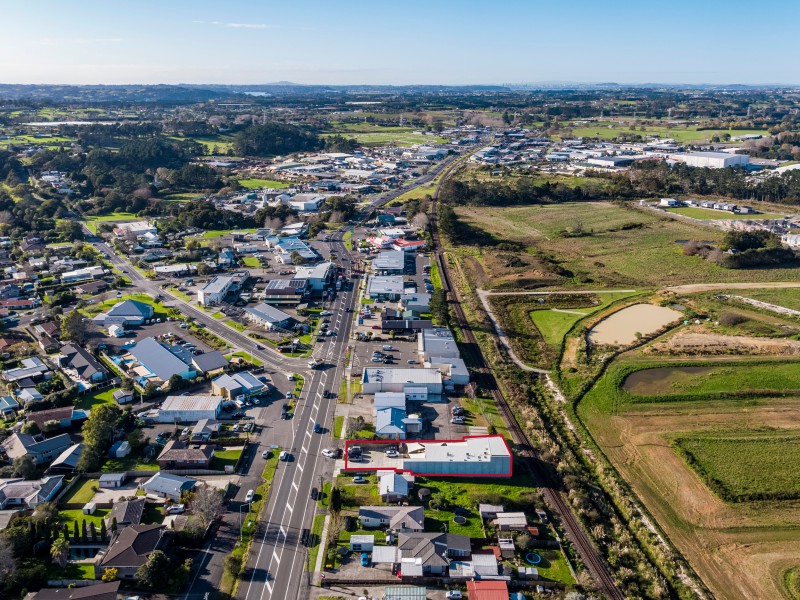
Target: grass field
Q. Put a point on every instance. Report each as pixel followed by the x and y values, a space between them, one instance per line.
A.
pixel 734 465
pixel 91 400
pixel 398 137
pixel 223 458
pixel 787 297
pixel 418 192
pixel 94 220
pixel 252 184
pixel 618 246
pixel 714 215
pixel 610 129
pixel 81 493
pixel 215 233
pixel 251 261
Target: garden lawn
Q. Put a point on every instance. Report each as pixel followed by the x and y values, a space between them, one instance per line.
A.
pixel 553 566
pixel 71 571
pixel 81 493
pixel 68 516
pixel 248 357
pixel 442 520
pixel 252 262
pixel 223 458
pixel 91 400
pixel 129 463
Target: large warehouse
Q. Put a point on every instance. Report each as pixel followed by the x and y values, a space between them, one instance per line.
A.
pixel 189 409
pixel 472 456
pixel 381 379
pixel 713 160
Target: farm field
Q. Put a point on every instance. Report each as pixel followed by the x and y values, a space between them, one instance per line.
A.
pixel 610 129
pixel 617 246
pixel 252 184
pixel 740 450
pixel 92 221
pixel 714 215
pixel 395 136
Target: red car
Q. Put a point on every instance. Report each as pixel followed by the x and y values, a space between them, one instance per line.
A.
pixel 376 327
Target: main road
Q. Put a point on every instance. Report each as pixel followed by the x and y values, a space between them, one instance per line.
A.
pixel 277 557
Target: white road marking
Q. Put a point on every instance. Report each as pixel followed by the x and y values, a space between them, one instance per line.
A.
pixel 283 533
pixel 295 486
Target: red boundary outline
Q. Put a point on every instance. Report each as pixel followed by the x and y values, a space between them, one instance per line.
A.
pixel 348 443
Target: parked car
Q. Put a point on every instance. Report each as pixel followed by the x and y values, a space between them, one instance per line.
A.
pixel 249 496
pixel 284 455
pixel 392 453
pixel 317 428
pixel 314 493
pixel 364 559
pixel 265 454
pixel 304 536
pixel 235 428
pixel 176 509
pixel 329 453
pixel 458 420
pixel 453 595
pixel 359 479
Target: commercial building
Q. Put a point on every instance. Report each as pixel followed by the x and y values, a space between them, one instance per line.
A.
pixel 83 274
pixel 318 278
pixel 471 456
pixel 281 291
pixel 419 302
pixel 215 290
pixel 243 383
pixel 411 382
pixel 189 409
pixel 389 262
pixel 438 341
pixel 268 317
pixel 712 160
pixel 127 312
pixel 385 287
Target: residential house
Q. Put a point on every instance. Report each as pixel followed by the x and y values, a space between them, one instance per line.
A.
pixel 430 553
pixel 21 493
pixel 129 550
pixel 81 365
pixel 404 519
pixel 67 461
pixel 8 406
pixel 126 512
pixel 203 431
pixel 58 417
pixel 394 487
pixel 30 368
pixel 101 591
pixel 179 455
pixel 39 448
pixel 487 590
pixel 165 485
pixel 150 360
pixel 389 424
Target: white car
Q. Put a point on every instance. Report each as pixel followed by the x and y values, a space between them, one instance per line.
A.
pixel 235 428
pixel 265 454
pixel 329 453
pixel 392 453
pixel 458 420
pixel 176 509
pixel 453 595
pixel 249 496
pixel 284 456
pixel 359 479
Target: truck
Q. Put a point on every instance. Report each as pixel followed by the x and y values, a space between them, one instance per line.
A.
pixel 315 363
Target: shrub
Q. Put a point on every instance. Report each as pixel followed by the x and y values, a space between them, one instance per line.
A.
pixel 730 319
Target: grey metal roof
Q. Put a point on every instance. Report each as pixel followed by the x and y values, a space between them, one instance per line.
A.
pixel 270 314
pixel 155 357
pixel 210 361
pixel 166 483
pixel 131 308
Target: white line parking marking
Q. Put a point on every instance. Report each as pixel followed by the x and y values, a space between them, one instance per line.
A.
pixel 283 533
pixel 294 486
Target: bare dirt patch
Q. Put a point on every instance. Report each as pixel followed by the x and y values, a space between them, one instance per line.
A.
pixel 620 328
pixel 695 343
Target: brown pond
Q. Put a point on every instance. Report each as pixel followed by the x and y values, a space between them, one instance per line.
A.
pixel 660 380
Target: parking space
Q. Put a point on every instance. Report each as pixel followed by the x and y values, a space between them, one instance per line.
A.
pixel 157 330
pixel 401 351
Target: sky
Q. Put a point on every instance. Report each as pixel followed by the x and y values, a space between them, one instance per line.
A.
pixel 450 42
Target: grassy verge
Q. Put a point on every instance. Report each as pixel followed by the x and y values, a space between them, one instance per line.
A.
pixel 230 582
pixel 338 425
pixel 315 541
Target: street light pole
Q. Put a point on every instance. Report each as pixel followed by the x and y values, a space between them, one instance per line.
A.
pixel 241 523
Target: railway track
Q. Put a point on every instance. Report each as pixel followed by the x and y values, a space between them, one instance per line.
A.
pixel 545 478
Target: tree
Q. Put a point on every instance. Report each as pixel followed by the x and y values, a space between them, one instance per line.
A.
pixel 114 525
pixel 75 327
pixel 69 230
pixel 59 552
pixel 8 562
pixel 336 499
pixel 24 466
pixel 31 428
pixel 155 572
pixel 93 531
pixel 46 512
pixel 110 575
pixel 233 564
pixel 354 425
pixel 98 431
pixel 420 220
pixel 206 502
pixel 76 534
pixel 136 439
pixel 103 531
pixel 84 532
